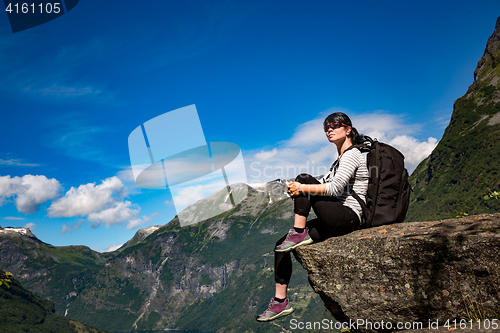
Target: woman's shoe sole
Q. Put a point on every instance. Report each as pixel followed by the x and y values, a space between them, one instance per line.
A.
pixel 278 315
pixel 304 242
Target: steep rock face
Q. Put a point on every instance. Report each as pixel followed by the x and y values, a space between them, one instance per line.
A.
pixel 464 165
pixel 409 272
pixel 490 60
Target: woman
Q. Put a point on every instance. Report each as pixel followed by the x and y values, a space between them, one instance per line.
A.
pixel 338 213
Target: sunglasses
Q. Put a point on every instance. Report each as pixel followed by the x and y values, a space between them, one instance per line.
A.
pixel 334 126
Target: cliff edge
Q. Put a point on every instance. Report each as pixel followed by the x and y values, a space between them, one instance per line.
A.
pixel 409 272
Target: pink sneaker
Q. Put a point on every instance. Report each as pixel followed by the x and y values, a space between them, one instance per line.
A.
pixel 276 310
pixel 293 240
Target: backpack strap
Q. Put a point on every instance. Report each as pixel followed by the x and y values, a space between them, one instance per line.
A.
pixel 362 204
pixel 363 148
pixel 336 163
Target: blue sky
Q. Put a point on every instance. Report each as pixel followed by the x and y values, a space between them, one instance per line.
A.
pixel 262 74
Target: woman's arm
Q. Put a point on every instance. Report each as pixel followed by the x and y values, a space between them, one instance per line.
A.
pixel 346 169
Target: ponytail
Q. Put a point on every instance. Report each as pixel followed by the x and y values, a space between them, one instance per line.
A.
pixel 355 137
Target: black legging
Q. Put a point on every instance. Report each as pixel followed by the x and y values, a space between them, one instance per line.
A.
pixel 334 219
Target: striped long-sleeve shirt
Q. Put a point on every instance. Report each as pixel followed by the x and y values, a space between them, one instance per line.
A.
pixel 350 166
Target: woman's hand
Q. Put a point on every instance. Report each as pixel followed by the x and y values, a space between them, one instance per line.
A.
pixel 294 189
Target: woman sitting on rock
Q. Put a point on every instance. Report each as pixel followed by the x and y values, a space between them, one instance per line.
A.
pixel 338 213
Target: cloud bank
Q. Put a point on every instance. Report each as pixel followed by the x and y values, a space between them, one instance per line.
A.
pixel 102 204
pixel 308 150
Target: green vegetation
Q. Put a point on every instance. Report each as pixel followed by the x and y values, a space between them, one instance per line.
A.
pixel 5 279
pixel 231 253
pixel 205 279
pixel 150 322
pixel 472 310
pixel 462 212
pixel 251 286
pixel 54 271
pixel 491 194
pixel 477 311
pixel 23 311
pixel 244 298
pixel 448 183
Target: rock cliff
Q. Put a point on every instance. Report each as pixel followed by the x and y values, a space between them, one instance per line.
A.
pixel 464 165
pixel 409 272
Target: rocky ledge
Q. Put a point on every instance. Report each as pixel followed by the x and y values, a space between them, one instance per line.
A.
pixel 409 272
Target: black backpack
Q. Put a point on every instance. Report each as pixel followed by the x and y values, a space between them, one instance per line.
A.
pixel 388 194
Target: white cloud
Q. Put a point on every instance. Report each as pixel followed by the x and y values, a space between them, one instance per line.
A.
pixel 102 204
pixel 308 134
pixel 392 130
pixel 13 218
pixel 126 175
pixel 30 191
pixel 189 195
pixel 73 227
pixel 413 150
pixel 112 248
pixel 88 199
pixel 383 125
pixel 265 155
pixel 9 187
pixel 139 222
pixel 30 225
pixel 118 212
pixel 17 162
pixel 308 150
pixel 189 192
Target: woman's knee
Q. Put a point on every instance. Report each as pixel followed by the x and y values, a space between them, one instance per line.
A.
pixel 305 178
pixel 281 280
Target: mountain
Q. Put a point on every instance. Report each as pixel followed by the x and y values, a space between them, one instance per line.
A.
pixel 139 236
pixel 464 166
pixel 22 311
pixel 216 275
pixel 49 271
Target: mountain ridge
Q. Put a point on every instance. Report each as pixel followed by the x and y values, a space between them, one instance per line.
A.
pixel 176 277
